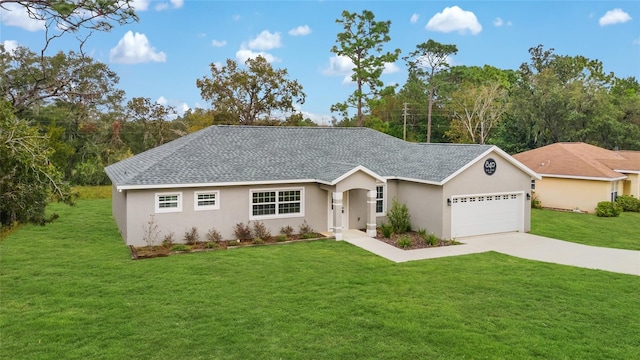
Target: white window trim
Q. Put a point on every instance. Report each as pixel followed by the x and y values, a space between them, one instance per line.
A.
pixel 276 216
pixel 206 207
pixel 168 210
pixel 384 200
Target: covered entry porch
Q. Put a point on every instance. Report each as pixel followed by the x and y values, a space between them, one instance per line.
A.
pixel 351 202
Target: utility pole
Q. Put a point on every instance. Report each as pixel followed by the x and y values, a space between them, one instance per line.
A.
pixel 404 114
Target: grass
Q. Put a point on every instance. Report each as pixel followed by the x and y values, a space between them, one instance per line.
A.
pixel 93 192
pixel 621 232
pixel 69 290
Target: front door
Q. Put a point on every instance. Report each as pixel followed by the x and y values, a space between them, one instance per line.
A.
pixel 345 211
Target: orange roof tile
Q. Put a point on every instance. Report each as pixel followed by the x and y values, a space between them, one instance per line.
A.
pixel 579 160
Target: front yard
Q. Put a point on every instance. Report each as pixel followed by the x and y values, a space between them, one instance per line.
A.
pixel 621 232
pixel 70 290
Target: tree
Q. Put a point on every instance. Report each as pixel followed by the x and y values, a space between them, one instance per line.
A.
pixel 27 178
pixel 71 16
pixel 258 92
pixel 361 39
pixel 151 122
pixel 476 111
pixel 426 61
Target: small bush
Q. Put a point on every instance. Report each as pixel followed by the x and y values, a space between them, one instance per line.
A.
pixel 608 209
pixel 242 232
pixel 168 240
pixel 260 231
pixel 305 228
pixel 386 230
pixel 150 231
pixel 309 235
pixel 536 203
pixel 233 243
pixel 213 236
pixel 282 237
pixel 180 247
pixel 432 240
pixel 191 237
pixel 211 245
pixel 399 218
pixel 628 203
pixel 257 240
pixel 286 230
pixel 405 242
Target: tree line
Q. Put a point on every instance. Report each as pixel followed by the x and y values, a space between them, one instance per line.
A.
pixel 63 117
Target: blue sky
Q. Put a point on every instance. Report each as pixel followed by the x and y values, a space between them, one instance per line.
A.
pixel 172 45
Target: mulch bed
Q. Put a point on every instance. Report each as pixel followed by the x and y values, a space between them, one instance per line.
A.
pixel 148 252
pixel 417 242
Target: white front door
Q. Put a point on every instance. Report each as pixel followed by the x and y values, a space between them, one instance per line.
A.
pixel 486 214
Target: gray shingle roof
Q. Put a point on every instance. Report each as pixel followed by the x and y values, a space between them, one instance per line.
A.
pixel 229 154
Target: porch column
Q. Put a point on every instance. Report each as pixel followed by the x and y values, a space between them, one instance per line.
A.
pixel 337 215
pixel 371 213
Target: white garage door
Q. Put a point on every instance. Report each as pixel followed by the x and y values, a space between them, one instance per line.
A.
pixel 486 214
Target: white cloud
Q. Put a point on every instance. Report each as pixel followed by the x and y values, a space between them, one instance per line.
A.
pixel 498 22
pixel 177 4
pixel 339 65
pixel 245 54
pixel 218 43
pixel 10 45
pixel 414 18
pixel 615 16
pixel 179 106
pixel 301 30
pixel 390 68
pixel 236 17
pixel 454 19
pixel 265 41
pixel 17 15
pixel 134 49
pixel 141 5
pixel 161 6
pixel 162 101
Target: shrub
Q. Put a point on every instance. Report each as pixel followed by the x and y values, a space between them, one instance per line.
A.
pixel 260 231
pixel 282 237
pixel 309 235
pixel 150 231
pixel 191 237
pixel 286 230
pixel 242 232
pixel 180 247
pixel 305 228
pixel 536 203
pixel 386 230
pixel 213 236
pixel 168 240
pixel 211 245
pixel 257 240
pixel 628 203
pixel 399 218
pixel 432 240
pixel 404 242
pixel 608 209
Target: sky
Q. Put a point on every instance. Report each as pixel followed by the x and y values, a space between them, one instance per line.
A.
pixel 161 56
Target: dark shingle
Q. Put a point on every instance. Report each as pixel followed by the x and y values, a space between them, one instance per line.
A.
pixel 227 154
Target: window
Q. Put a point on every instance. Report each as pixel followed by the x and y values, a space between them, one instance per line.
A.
pixel 380 200
pixel 206 200
pixel 168 202
pixel 533 184
pixel 277 203
pixel 614 191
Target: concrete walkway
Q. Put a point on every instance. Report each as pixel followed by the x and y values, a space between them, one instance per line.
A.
pixel 522 245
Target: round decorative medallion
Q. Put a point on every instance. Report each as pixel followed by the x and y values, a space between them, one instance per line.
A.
pixel 490 166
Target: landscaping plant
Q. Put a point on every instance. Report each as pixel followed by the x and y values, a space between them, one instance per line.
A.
pixel 399 217
pixel 608 209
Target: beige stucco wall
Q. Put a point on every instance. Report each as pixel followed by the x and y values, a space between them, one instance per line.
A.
pixel 507 178
pixel 234 208
pixel 119 210
pixel 425 205
pixel 573 194
pixel 631 186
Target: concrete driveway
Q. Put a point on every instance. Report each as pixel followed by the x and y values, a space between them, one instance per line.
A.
pixel 522 245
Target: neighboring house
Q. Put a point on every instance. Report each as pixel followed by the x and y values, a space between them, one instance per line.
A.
pixel 332 178
pixel 576 176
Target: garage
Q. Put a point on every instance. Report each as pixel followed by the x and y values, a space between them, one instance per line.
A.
pixel 486 214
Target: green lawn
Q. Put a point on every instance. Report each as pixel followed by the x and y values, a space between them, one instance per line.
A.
pixel 70 291
pixel 621 232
